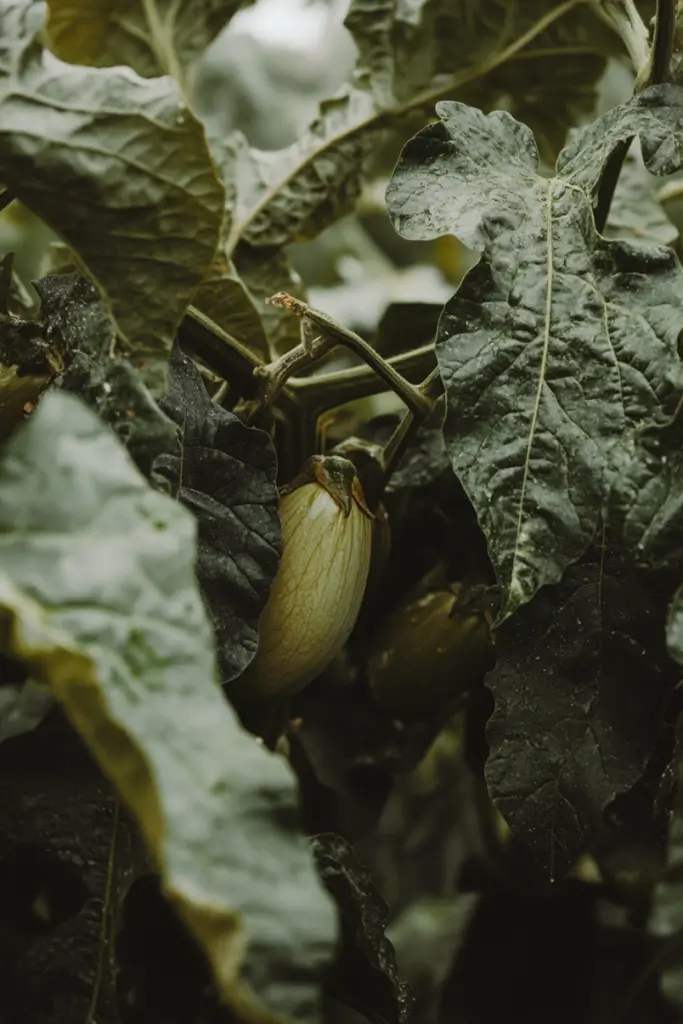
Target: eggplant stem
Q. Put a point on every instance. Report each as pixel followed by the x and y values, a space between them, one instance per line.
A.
pixel 336 334
pixel 394 450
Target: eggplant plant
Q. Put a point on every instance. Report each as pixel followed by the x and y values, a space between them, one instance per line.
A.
pixel 341 534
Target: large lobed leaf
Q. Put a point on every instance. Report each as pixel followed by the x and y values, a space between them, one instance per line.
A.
pixel 365 976
pixel 558 344
pixel 98 599
pixel 117 166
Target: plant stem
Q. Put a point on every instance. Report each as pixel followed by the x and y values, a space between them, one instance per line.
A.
pixel 274 376
pixel 394 449
pixel 654 70
pixel 662 45
pixel 407 392
pixel 624 18
pixel 324 391
pixel 608 183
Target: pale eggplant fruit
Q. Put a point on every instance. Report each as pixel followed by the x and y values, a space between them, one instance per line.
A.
pixel 428 651
pixel 318 590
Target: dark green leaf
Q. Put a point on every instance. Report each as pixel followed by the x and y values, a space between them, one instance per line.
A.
pixel 118 167
pixel 78 324
pixel 407 325
pixel 645 509
pixel 98 599
pixel 555 348
pixel 225 474
pixel 654 115
pixel 635 213
pixel 426 458
pixel 365 976
pixel 580 684
pixel 67 856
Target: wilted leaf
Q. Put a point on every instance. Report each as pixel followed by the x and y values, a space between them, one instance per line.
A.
pixel 78 324
pixel 98 599
pixel 557 345
pixel 159 37
pixel 225 473
pixel 118 167
pixel 580 683
pixel 365 976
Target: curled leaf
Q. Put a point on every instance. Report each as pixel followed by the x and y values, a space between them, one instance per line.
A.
pixel 98 599
pixel 557 347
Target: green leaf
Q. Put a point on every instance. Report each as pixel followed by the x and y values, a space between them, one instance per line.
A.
pixel 225 298
pixel 580 684
pixel 365 975
pixel 157 37
pixel 556 347
pixel 655 115
pixel 68 857
pixel 409 56
pixel 635 213
pixel 225 473
pixel 119 167
pixel 78 323
pixel 98 599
